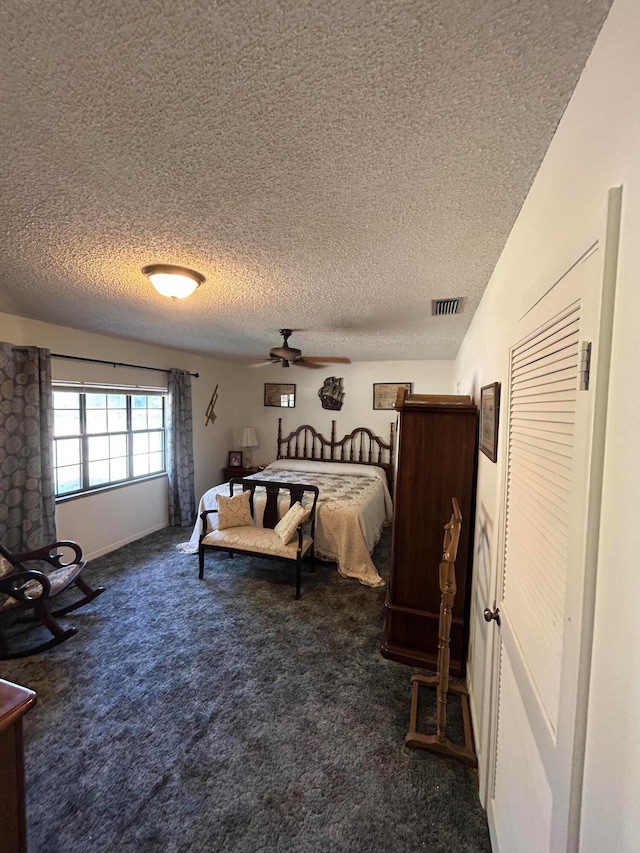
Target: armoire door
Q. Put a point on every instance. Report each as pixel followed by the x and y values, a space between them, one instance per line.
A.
pixel 555 410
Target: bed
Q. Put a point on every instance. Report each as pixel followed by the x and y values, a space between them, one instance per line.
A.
pixel 353 474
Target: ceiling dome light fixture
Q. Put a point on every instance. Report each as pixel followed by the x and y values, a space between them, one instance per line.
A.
pixel 171 281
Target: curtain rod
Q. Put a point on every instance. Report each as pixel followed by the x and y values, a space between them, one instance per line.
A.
pixel 116 363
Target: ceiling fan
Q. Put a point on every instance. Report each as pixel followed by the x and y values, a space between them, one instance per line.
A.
pixel 287 356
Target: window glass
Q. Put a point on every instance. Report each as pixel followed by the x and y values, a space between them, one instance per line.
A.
pixel 66 422
pixel 139 419
pixel 140 443
pixel 96 401
pixel 154 418
pixel 141 465
pixel 66 400
pixel 118 469
pixel 98 472
pixel 102 438
pixel 117 445
pixel 156 462
pixel 98 448
pixel 117 420
pixel 96 420
pixel 67 452
pixel 156 441
pixel 68 479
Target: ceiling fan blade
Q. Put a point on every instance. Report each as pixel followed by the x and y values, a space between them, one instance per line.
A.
pixel 303 362
pixel 265 363
pixel 328 360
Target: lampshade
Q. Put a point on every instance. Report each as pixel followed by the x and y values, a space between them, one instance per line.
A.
pixel 249 437
pixel 171 281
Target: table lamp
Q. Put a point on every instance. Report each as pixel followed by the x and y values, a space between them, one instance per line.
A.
pixel 248 440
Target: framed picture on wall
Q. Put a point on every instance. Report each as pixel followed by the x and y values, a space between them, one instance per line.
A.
pixel 282 396
pixel 385 393
pixel 235 459
pixel 489 414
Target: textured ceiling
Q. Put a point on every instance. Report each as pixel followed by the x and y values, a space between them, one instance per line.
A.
pixel 330 167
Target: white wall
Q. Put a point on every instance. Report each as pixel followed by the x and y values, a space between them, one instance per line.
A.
pixel 105 520
pixel 428 377
pixel 596 146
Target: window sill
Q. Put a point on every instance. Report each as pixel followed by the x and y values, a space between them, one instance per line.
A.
pixel 109 488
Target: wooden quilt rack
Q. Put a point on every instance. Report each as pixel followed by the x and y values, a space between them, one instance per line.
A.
pixel 439 742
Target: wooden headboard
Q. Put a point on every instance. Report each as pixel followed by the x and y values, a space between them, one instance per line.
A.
pixel 360 446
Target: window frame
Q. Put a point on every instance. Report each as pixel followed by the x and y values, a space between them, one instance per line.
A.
pixel 83 436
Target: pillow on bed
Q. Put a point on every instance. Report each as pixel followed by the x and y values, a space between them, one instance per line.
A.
pixel 288 524
pixel 234 512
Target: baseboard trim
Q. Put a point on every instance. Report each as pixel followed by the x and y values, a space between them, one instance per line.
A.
pixel 115 545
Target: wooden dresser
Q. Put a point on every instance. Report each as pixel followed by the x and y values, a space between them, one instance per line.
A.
pixel 436 456
pixel 15 701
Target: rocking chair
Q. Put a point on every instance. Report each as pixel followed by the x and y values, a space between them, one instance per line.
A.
pixel 23 588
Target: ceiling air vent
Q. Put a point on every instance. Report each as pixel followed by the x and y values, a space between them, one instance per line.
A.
pixel 440 307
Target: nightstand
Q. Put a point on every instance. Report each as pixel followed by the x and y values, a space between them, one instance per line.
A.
pixel 236 471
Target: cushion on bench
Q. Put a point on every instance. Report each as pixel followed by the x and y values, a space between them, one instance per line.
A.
pixel 261 539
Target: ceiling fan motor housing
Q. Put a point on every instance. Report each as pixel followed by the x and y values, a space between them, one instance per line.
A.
pixel 291 355
pixel 288 353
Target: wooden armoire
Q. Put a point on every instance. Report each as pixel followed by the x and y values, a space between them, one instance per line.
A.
pixel 436 456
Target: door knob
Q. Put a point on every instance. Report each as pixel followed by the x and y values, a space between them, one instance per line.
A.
pixel 492 615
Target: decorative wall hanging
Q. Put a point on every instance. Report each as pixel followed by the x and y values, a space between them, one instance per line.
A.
pixel 385 393
pixel 282 396
pixel 489 413
pixel 211 415
pixel 331 393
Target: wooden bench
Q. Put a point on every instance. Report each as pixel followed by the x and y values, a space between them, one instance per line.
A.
pixel 262 540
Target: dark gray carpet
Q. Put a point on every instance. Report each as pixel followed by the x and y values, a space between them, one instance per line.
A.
pixel 224 715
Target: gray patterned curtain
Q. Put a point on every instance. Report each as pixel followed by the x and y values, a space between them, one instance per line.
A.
pixel 182 502
pixel 27 502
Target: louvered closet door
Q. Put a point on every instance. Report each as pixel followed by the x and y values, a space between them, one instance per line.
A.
pixel 544 380
pixel 553 454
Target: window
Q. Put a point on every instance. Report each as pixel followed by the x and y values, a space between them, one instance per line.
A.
pixel 106 437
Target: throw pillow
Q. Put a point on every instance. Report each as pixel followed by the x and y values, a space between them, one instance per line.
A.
pixel 234 512
pixel 288 524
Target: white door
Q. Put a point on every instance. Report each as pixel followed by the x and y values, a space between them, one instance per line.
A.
pixel 555 409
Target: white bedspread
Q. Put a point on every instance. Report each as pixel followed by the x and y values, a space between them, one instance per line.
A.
pixel 353 506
